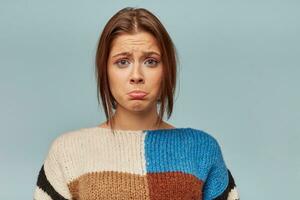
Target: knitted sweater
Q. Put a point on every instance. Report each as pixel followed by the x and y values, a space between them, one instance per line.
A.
pixel 164 164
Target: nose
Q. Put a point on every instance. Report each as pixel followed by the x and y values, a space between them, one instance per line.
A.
pixel 136 76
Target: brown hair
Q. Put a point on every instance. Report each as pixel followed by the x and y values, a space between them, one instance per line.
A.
pixel 132 20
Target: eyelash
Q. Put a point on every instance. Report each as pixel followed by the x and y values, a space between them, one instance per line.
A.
pixel 151 59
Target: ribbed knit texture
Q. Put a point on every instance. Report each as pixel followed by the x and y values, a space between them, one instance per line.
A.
pixel 165 164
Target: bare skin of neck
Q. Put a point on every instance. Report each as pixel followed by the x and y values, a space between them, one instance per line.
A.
pixel 164 125
pixel 128 121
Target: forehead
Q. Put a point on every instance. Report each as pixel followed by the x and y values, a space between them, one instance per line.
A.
pixel 134 42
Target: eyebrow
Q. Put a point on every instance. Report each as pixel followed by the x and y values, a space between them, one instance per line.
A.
pixel 145 53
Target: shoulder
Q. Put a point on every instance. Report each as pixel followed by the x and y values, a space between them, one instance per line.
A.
pixel 204 136
pixel 67 139
pixel 206 141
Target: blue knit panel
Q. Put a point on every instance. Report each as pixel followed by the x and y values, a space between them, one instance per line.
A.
pixel 181 149
pixel 218 179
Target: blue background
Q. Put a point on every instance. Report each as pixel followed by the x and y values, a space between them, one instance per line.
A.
pixel 238 80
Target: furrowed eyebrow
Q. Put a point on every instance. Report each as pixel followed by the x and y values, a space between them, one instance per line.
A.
pixel 145 53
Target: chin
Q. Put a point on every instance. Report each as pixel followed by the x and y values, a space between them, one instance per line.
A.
pixel 138 105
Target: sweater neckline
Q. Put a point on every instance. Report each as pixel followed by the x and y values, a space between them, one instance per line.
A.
pixel 142 130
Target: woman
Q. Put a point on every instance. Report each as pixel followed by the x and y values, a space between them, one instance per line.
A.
pixel 135 154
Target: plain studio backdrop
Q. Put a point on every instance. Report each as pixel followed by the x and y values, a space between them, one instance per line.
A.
pixel 238 80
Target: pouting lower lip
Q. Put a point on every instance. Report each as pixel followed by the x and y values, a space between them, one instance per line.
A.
pixel 137 95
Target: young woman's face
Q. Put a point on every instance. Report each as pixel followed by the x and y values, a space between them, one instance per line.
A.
pixel 134 63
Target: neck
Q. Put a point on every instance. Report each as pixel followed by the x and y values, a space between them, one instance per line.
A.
pixel 139 120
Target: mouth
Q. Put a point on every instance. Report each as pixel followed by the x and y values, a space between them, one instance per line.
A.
pixel 137 95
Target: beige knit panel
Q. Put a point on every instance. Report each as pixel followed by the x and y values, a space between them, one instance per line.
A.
pixel 109 185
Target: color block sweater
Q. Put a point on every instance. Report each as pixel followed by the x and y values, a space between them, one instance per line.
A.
pixel 164 164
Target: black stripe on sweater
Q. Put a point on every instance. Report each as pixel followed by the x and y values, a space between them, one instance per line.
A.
pixel 230 186
pixel 46 186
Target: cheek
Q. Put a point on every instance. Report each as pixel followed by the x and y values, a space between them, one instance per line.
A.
pixel 116 77
pixel 117 81
pixel 155 80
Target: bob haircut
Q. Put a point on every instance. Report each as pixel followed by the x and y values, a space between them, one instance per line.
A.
pixel 131 20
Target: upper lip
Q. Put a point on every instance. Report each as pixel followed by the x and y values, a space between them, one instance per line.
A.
pixel 137 91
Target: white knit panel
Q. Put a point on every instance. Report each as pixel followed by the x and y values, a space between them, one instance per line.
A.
pixel 233 194
pixel 39 194
pixel 54 171
pixel 96 149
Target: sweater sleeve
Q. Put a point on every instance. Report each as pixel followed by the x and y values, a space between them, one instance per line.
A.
pixel 51 183
pixel 220 184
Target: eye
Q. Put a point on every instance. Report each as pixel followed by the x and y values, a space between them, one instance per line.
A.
pixel 152 62
pixel 122 62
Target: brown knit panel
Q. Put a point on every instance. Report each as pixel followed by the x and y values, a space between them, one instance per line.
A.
pixel 73 187
pixel 174 185
pixel 109 185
